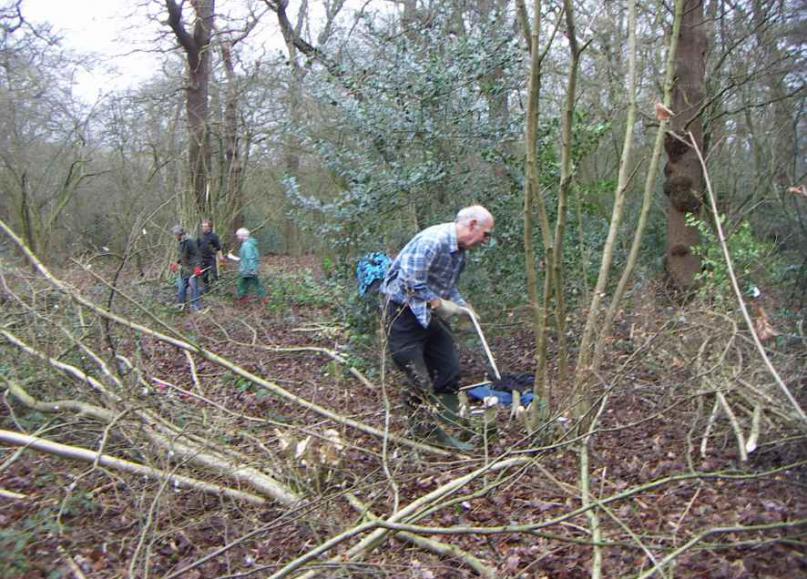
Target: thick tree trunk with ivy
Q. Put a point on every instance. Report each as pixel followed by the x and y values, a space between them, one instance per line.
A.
pixel 197 52
pixel 683 183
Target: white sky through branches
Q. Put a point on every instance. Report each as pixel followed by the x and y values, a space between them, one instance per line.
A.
pixel 130 37
pixel 113 30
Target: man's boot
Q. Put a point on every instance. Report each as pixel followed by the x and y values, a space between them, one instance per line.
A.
pixel 449 411
pixel 423 426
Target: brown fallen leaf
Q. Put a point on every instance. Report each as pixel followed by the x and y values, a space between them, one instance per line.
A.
pixel 663 113
pixel 801 191
pixel 762 325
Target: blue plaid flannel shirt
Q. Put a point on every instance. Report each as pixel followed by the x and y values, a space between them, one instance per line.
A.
pixel 427 268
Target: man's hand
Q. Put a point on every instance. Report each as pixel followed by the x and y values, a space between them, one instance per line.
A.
pixel 174 267
pixel 447 309
pixel 197 271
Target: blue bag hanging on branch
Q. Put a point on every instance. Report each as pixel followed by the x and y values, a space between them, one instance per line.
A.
pixel 370 272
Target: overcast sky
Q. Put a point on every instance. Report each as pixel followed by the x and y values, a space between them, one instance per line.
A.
pixel 100 26
pixel 121 33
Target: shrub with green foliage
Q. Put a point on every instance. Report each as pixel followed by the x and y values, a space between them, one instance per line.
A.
pixel 755 261
pixel 407 138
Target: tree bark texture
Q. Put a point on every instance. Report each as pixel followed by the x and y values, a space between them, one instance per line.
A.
pixel 197 52
pixel 683 184
pixel 232 158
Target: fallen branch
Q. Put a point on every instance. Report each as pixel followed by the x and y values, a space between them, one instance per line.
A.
pixel 436 547
pixel 86 455
pixel 715 531
pixel 380 526
pixel 12 495
pixel 224 466
pixel 215 358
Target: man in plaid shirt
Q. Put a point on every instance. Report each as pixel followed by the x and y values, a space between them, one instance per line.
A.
pixel 421 296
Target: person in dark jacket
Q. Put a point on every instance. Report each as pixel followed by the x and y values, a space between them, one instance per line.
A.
pixel 209 252
pixel 189 268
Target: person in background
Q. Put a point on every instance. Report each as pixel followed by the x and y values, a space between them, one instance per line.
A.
pixel 189 268
pixel 209 253
pixel 421 295
pixel 249 263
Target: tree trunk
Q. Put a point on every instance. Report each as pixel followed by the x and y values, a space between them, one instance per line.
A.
pixel 197 52
pixel 684 183
pixel 232 160
pixel 532 199
pixel 565 186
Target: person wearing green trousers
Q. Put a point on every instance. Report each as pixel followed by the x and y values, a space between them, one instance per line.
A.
pixel 249 263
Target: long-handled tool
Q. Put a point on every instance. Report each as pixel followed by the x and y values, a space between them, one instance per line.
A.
pixel 484 342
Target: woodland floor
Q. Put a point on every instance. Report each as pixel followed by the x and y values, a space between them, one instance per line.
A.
pixel 651 428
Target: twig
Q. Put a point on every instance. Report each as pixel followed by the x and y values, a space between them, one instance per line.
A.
pixel 145 531
pixel 738 294
pixel 211 402
pixel 433 546
pixel 330 353
pixel 105 435
pixel 719 530
pixel 686 511
pixel 738 433
pixel 709 425
pixel 753 436
pixel 194 375
pixel 74 568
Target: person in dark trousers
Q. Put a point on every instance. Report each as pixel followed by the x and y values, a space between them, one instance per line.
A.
pixel 421 295
pixel 249 263
pixel 189 267
pixel 209 253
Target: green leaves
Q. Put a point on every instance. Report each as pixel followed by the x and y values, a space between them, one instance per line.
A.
pixel 754 260
pixel 411 132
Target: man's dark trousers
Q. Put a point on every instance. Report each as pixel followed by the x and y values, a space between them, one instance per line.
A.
pixel 428 356
pixel 209 275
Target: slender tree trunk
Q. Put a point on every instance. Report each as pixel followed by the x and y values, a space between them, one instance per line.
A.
pixel 565 186
pixel 783 152
pixel 532 199
pixel 583 371
pixel 291 155
pixel 649 189
pixel 683 175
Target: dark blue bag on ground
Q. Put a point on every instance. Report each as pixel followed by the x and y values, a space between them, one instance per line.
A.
pixel 503 389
